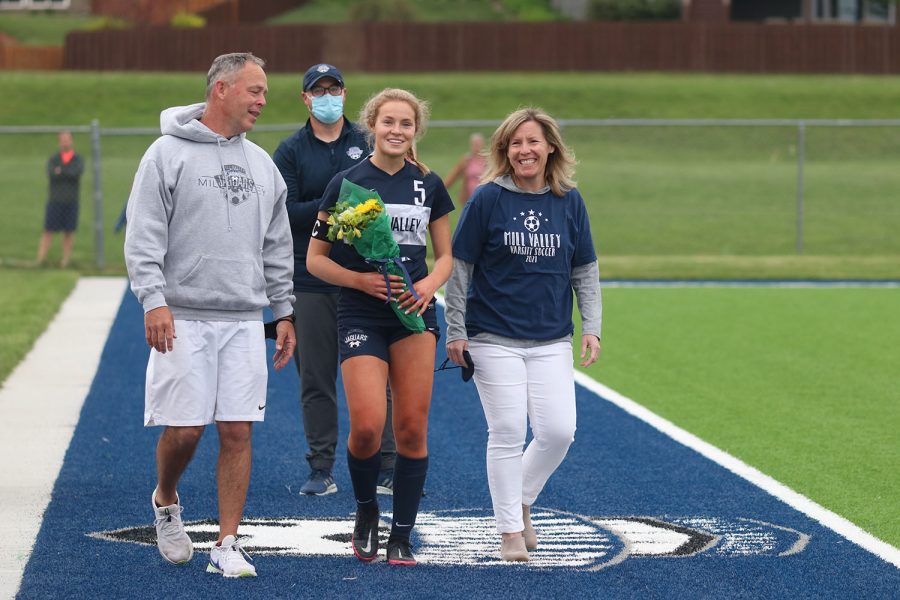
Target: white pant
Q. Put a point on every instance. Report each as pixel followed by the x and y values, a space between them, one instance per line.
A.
pixel 215 372
pixel 517 385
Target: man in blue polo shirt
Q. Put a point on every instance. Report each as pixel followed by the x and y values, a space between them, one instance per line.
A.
pixel 328 144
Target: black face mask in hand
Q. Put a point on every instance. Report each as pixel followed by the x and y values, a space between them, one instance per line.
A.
pixel 270 330
pixel 466 372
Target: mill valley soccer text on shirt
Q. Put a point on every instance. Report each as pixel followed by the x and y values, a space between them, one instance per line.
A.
pixel 532 245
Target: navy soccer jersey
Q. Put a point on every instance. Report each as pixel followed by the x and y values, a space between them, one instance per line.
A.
pixel 524 247
pixel 412 202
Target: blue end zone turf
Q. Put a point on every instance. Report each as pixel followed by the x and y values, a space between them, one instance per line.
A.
pixel 630 513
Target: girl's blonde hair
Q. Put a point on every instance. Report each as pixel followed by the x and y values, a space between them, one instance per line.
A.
pixel 369 114
pixel 560 167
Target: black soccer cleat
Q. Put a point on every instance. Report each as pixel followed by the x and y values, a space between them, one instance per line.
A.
pixel 399 552
pixel 365 535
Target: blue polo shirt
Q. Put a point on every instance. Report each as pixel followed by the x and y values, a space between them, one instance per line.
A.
pixel 412 201
pixel 307 165
pixel 524 247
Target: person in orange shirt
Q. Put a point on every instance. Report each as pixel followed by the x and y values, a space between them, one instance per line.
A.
pixel 64 171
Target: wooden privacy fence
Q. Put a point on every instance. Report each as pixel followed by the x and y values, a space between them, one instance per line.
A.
pixel 411 47
pixel 20 57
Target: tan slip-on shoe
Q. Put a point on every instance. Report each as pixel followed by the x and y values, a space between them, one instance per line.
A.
pixel 512 549
pixel 529 534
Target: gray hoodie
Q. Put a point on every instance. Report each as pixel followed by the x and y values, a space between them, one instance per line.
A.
pixel 208 233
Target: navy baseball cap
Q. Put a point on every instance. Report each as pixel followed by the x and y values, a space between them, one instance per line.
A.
pixel 317 72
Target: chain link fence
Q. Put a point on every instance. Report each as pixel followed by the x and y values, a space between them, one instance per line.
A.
pixel 653 187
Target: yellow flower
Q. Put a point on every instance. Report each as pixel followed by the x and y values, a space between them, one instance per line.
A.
pixel 348 222
pixel 368 206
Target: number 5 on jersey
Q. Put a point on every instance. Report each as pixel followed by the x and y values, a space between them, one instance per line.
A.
pixel 419 189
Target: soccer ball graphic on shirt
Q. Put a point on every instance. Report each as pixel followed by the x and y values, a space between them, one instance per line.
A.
pixel 532 223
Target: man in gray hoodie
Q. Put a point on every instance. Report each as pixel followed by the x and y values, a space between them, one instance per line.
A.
pixel 208 246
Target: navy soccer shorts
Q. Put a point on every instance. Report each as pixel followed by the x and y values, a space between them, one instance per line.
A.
pixel 373 336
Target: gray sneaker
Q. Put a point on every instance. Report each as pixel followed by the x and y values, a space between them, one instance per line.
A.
pixel 320 483
pixel 173 542
pixel 385 482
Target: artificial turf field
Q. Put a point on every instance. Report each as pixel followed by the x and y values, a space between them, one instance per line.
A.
pixel 631 513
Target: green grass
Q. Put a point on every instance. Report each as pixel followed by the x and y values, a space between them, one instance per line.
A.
pixel 748 267
pixel 43 28
pixel 800 383
pixel 703 213
pixel 30 300
pixel 135 99
pixel 338 11
pixel 664 201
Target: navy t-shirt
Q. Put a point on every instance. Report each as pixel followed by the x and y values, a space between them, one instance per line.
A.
pixel 524 247
pixel 412 201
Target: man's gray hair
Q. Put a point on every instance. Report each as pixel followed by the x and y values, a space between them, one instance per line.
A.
pixel 225 66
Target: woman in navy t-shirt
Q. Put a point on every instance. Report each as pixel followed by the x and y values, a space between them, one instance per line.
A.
pixel 522 244
pixel 375 347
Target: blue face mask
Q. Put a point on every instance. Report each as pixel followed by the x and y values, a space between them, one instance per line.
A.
pixel 327 108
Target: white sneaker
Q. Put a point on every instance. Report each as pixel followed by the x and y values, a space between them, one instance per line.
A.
pixel 174 544
pixel 230 559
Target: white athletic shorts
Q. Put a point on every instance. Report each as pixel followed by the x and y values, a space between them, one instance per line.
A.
pixel 215 372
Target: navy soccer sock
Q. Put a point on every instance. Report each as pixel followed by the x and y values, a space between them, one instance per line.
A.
pixel 364 475
pixel 409 480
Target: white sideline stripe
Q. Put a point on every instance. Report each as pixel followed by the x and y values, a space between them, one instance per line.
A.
pixel 793 499
pixel 40 404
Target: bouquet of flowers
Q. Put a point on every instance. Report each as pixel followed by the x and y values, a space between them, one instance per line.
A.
pixel 359 219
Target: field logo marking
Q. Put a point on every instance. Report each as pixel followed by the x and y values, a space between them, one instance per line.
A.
pixel 468 537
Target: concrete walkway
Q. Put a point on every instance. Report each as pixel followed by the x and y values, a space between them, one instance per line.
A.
pixel 40 404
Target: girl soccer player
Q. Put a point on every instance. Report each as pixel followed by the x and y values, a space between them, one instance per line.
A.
pixel 375 347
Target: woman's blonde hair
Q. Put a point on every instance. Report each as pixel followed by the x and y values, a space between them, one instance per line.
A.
pixel 369 114
pixel 560 167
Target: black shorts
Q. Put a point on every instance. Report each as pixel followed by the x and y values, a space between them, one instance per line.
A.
pixel 373 336
pixel 61 216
